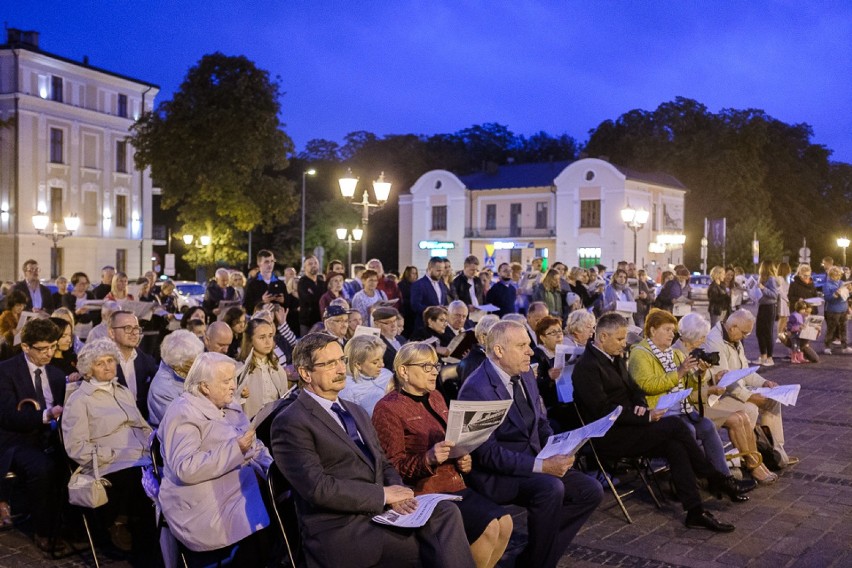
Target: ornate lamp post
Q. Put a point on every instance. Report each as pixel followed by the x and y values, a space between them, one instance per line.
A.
pixel 40 222
pixel 349 238
pixel 305 173
pixel 843 243
pixel 381 188
pixel 635 219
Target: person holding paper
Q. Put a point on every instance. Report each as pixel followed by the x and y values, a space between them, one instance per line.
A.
pixel 802 287
pixel 16 301
pixel 558 499
pixel 218 290
pixel 836 307
pixel 726 338
pixel 435 318
pixel 76 298
pixel 659 369
pixel 693 333
pixel 549 332
pixel 617 291
pixel 330 454
pixel 411 422
pixel 262 378
pixel 675 291
pixel 601 383
pixel 549 291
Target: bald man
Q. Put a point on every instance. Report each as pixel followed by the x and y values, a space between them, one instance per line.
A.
pixel 219 337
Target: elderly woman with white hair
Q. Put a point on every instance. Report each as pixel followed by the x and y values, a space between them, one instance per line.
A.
pixel 178 350
pixel 476 355
pixel 209 492
pixel 579 328
pixel 101 422
pixel 367 380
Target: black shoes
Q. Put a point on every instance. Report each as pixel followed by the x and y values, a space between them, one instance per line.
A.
pixel 705 520
pixel 730 487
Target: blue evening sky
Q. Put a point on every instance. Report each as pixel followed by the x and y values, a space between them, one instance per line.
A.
pixel 437 66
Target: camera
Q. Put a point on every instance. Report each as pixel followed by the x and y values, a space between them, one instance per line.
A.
pixel 711 358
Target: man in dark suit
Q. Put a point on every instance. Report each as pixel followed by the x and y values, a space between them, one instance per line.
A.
pixel 330 454
pixel 105 286
pixel 39 296
pixel 467 285
pixel 429 291
pixel 503 294
pixel 385 318
pixel 558 499
pixel 136 368
pixel 32 393
pixel 601 383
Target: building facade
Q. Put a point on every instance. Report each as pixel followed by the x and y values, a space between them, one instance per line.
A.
pixel 64 152
pixel 565 211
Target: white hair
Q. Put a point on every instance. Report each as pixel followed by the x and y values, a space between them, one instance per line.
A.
pixel 693 327
pixel 179 347
pixel 222 272
pixel 203 369
pixel 517 318
pixel 740 316
pixel 578 319
pixel 456 305
pixel 93 351
pixel 498 332
pixel 483 326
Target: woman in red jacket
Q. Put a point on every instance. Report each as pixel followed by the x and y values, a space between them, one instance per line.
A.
pixel 411 422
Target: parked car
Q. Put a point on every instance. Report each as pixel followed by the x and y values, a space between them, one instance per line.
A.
pixel 698 285
pixel 189 294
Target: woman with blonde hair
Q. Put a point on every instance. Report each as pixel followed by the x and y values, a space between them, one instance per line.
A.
pixel 718 295
pixel 118 291
pixel 767 307
pixel 367 380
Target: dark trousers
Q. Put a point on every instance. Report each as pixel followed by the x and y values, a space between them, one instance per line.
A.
pixel 44 480
pixel 765 328
pixel 250 551
pixel 668 438
pixel 127 498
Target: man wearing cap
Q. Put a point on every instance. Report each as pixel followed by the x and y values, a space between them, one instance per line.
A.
pixel 336 322
pixel 384 318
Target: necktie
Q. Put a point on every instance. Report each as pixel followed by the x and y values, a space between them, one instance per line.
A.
pixel 522 402
pixel 39 389
pixel 352 430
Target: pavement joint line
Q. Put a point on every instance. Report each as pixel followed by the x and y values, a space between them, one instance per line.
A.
pixel 818 421
pixel 820 478
pixel 580 552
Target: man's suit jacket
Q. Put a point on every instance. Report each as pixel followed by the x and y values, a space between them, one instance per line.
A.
pixel 24 427
pixel 462 289
pixel 46 296
pixel 390 351
pixel 509 453
pixel 338 489
pixel 503 296
pixel 146 367
pixel 600 385
pixel 423 295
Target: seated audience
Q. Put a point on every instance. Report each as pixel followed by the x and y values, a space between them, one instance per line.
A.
pixel 367 380
pixel 476 355
pixel 209 491
pixel 64 358
pixel 364 300
pixel 101 330
pixel 435 318
pixel 411 423
pixel 219 337
pixel 355 320
pixel 579 328
pixel 178 350
pixel 262 379
pixel 386 319
pixel 101 422
pixel 135 367
pixel 118 291
pixel 549 331
pixel 336 321
pixel 16 301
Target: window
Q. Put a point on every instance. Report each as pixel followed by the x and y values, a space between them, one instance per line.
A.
pixel 121 260
pixel 56 146
pixel 121 156
pixel 120 210
pixel 90 208
pixel 490 217
pixel 439 218
pixel 541 215
pixel 56 205
pixel 56 89
pixel 122 106
pixel 590 214
pixel 654 217
pixel 515 220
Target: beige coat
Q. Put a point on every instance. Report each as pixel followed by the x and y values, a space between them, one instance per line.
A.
pixel 265 384
pixel 109 421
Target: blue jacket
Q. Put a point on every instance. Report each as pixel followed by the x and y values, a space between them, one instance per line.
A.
pixel 834 304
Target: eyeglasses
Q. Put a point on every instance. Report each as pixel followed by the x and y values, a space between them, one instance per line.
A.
pixel 330 364
pixel 427 367
pixel 45 348
pixel 129 329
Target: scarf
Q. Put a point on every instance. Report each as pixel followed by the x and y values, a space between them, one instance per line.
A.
pixel 666 359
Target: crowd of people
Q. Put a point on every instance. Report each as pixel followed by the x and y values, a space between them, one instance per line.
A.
pixel 343 385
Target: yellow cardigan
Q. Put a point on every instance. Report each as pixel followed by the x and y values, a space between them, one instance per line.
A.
pixel 649 374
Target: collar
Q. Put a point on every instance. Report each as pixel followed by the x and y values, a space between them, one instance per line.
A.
pixel 422 398
pixel 130 359
pixel 324 402
pixel 725 335
pixel 607 355
pixel 505 378
pixel 32 367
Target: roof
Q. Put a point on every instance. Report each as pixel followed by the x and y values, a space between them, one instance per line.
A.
pixel 542 175
pixel 28 47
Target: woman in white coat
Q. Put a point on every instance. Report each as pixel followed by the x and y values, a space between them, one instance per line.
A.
pixel 209 492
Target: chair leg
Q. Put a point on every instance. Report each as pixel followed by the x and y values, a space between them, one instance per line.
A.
pixel 642 468
pixel 91 542
pixel 612 488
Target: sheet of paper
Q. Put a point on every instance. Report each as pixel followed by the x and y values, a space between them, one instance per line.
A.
pixel 426 504
pixel 625 307
pixel 681 309
pixel 366 330
pixel 815 301
pixel 735 375
pixel 567 443
pixel 470 423
pixel 787 395
pixel 565 385
pixel 671 399
pixel 488 308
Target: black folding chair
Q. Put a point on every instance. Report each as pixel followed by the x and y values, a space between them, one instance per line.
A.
pixel 283 507
pixel 72 465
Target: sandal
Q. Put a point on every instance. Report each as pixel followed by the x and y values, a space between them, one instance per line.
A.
pixel 758 471
pixel 6 521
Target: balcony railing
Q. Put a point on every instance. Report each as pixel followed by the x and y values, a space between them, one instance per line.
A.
pixel 509 232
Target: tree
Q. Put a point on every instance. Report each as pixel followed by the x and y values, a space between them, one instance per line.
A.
pixel 218 151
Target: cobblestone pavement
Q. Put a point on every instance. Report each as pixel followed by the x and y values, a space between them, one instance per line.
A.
pixel 804 520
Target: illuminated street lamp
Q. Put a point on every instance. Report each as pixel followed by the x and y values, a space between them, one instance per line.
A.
pixel 40 222
pixel 381 188
pixel 350 237
pixel 305 173
pixel 635 219
pixel 669 242
pixel 202 241
pixel 843 242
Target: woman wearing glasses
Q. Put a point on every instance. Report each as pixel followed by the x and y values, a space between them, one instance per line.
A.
pixel 550 334
pixel 411 422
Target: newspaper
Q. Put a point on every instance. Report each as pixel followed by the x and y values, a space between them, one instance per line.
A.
pixel 671 399
pixel 142 310
pixel 681 309
pixel 785 394
pixel 426 503
pixel 735 375
pixel 812 328
pixel 470 423
pixel 814 301
pixel 225 305
pixel 567 443
pixel 627 309
pixel 367 330
pixel 22 321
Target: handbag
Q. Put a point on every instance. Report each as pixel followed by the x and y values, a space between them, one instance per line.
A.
pixel 86 490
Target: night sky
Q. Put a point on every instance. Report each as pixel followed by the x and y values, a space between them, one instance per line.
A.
pixel 427 67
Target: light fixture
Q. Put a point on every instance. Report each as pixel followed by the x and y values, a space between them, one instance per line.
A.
pixel 40 221
pixel 206 240
pixel 341 234
pixel 382 188
pixel 635 219
pixel 348 183
pixel 187 239
pixel 357 233
pixel 349 238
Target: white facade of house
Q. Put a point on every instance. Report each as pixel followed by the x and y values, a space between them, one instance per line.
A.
pixel 64 153
pixel 575 217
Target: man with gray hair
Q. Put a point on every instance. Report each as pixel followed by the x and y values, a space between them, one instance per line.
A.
pixel 457 320
pixel 558 499
pixel 179 351
pixel 726 338
pixel 218 290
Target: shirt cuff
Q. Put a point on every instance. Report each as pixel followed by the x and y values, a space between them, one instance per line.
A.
pixel 45 417
pixel 538 465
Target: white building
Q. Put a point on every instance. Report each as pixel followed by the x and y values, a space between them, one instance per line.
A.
pixel 565 211
pixel 64 153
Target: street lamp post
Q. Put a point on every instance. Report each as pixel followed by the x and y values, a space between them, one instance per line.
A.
pixel 635 219
pixel 304 174
pixel 843 243
pixel 381 188
pixel 349 238
pixel 40 223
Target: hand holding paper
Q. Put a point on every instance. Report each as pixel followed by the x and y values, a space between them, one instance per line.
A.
pixel 787 395
pixel 736 374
